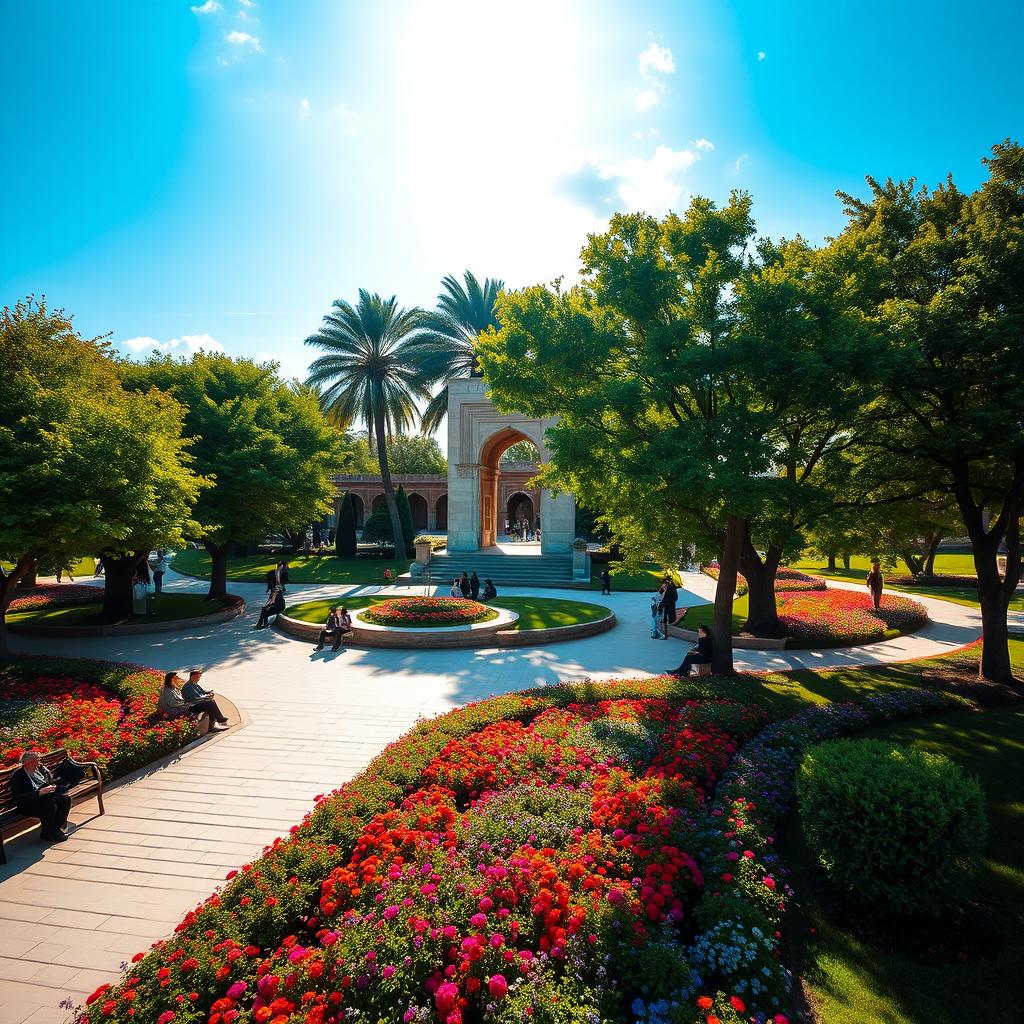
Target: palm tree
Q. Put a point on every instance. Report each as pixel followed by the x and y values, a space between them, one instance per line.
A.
pixel 445 349
pixel 368 375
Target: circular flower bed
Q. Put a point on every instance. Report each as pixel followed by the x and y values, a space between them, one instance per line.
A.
pixel 56 594
pixel 839 617
pixel 98 711
pixel 785 580
pixel 427 611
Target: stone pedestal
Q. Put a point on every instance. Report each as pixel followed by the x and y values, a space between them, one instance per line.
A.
pixel 580 560
pixel 422 552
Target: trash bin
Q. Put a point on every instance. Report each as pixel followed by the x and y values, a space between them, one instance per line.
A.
pixel 140 598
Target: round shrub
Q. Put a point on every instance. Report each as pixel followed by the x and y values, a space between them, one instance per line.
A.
pixel 891 825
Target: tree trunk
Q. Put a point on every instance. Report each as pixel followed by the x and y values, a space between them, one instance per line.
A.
pixel 118 574
pixel 933 550
pixel 8 592
pixel 218 568
pixel 831 563
pixel 728 565
pixel 389 487
pixel 915 563
pixel 846 562
pixel 762 611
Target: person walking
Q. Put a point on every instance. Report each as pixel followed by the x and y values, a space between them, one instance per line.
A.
pixel 656 614
pixel 875 583
pixel 669 597
pixel 474 585
pixel 158 572
pixel 700 654
pixel 606 581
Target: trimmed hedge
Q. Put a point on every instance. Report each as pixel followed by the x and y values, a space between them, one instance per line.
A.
pixel 894 827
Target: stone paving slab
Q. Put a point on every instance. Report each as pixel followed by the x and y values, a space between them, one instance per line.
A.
pixel 70 914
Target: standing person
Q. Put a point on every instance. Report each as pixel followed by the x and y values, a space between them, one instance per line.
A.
pixel 35 792
pixel 158 572
pixel 699 655
pixel 282 577
pixel 474 585
pixel 875 583
pixel 606 581
pixel 656 613
pixel 668 605
pixel 456 590
pixel 464 586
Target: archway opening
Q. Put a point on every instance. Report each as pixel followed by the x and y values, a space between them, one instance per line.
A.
pixel 441 512
pixel 520 515
pixel 490 475
pixel 418 507
pixel 358 511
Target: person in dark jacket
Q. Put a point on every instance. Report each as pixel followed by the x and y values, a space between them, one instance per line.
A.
pixel 464 585
pixel 474 585
pixel 489 591
pixel 282 574
pixel 699 655
pixel 37 793
pixel 274 606
pixel 875 583
pixel 669 596
pixel 606 581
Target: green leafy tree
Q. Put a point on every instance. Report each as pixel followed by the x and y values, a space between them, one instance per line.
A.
pixel 83 465
pixel 407 454
pixel 264 443
pixel 345 534
pixel 951 299
pixel 378 529
pixel 521 451
pixel 446 348
pixel 369 373
pixel 405 515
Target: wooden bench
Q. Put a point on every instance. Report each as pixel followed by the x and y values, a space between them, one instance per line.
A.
pixel 9 814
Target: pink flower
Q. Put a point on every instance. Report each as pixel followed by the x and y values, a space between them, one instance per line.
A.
pixel 446 997
pixel 236 990
pixel 498 986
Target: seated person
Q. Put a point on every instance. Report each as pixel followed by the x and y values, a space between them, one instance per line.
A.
pixel 274 606
pixel 699 655
pixel 488 593
pixel 174 704
pixel 339 622
pixel 36 793
pixel 193 690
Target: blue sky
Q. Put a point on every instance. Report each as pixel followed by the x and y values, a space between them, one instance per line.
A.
pixel 216 173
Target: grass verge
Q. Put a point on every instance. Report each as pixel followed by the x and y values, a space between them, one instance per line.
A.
pixel 165 608
pixel 301 569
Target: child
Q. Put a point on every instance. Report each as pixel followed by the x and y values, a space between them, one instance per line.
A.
pixel 655 616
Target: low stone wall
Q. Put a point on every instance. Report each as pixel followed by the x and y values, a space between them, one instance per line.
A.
pixel 427 639
pixel 741 643
pixel 232 611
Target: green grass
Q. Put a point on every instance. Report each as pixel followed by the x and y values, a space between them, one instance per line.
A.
pixel 80 567
pixel 647 578
pixel 534 612
pixel 850 982
pixel 301 569
pixel 164 608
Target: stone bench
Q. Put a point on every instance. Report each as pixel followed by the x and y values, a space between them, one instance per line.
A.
pixel 9 813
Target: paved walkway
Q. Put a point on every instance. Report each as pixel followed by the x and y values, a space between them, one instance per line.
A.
pixel 70 914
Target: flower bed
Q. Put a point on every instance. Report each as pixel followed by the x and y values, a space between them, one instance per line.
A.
pixel 56 594
pixel 427 611
pixel 839 617
pixel 785 580
pixel 98 711
pixel 529 856
pixel 739 950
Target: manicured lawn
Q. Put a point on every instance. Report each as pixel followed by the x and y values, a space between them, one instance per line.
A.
pixel 948 564
pixel 850 981
pixel 165 608
pixel 326 569
pixel 84 567
pixel 648 578
pixel 534 612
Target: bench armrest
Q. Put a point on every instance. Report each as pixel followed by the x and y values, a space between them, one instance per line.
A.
pixel 94 765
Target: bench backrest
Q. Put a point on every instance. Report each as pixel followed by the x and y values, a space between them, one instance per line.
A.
pixel 51 759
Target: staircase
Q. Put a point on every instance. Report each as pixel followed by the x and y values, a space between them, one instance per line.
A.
pixel 504 570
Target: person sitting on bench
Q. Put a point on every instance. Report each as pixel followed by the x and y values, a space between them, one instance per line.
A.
pixel 489 592
pixel 699 655
pixel 339 622
pixel 174 704
pixel 273 606
pixel 37 793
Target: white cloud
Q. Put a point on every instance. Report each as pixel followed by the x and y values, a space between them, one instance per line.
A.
pixel 248 3
pixel 304 108
pixel 186 343
pixel 651 185
pixel 250 19
pixel 210 7
pixel 348 117
pixel 656 58
pixel 706 144
pixel 741 161
pixel 647 99
pixel 236 38
pixel 761 55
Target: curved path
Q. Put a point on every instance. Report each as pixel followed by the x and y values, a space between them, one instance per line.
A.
pixel 71 914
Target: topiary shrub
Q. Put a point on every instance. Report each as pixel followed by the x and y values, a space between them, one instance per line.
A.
pixel 345 536
pixel 893 826
pixel 377 529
